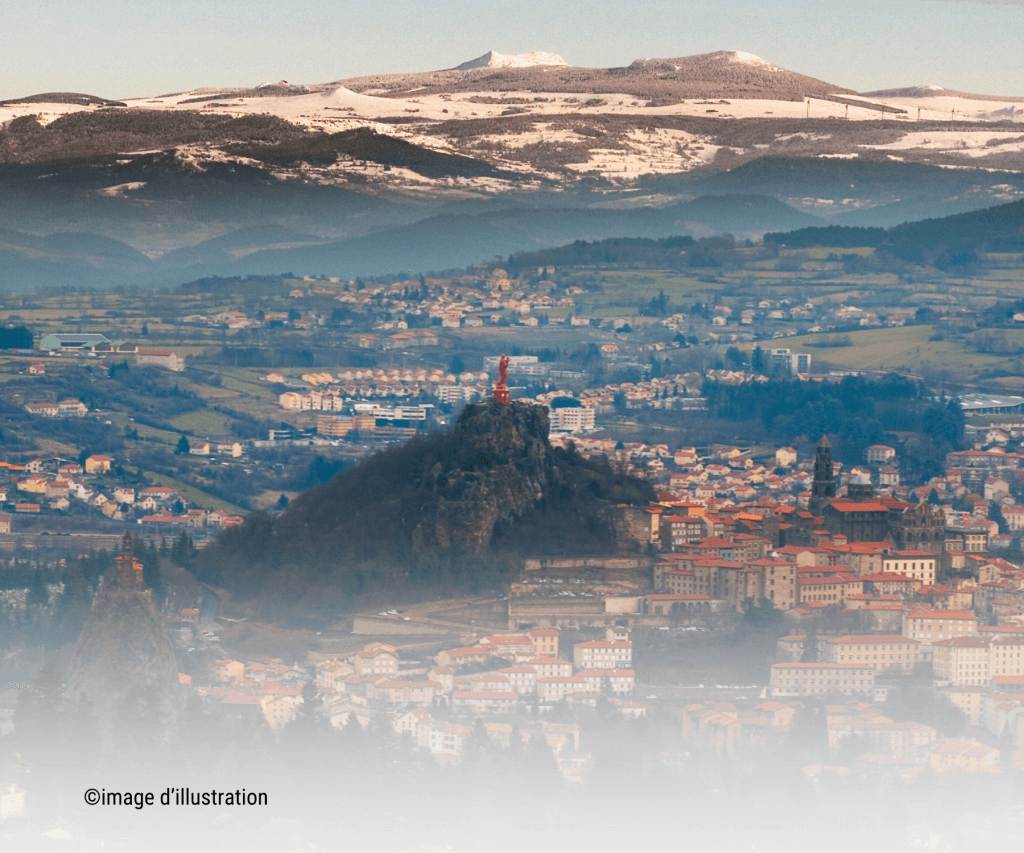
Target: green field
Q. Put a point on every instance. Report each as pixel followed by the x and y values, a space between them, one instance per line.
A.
pixel 192 494
pixel 823 252
pixel 156 434
pixel 906 350
pixel 246 382
pixel 621 287
pixel 202 422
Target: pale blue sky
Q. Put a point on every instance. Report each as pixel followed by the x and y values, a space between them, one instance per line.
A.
pixel 116 48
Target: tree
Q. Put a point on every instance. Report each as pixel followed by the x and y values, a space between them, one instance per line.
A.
pixel 183 446
pixel 456 365
pixel 145 330
pixel 38 594
pixel 183 552
pixel 75 602
pixel 995 514
pixel 759 617
pixel 282 502
pixel 16 337
pixel 308 727
pixel 475 748
pixel 757 360
pixel 150 559
pixel 809 651
pixel 809 733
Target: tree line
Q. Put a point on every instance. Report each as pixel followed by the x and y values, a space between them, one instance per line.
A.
pixel 857 412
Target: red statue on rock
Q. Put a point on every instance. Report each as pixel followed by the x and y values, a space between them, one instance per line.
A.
pixel 500 390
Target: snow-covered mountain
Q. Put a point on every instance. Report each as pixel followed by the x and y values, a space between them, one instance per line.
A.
pixel 493 59
pixel 519 123
pixel 418 156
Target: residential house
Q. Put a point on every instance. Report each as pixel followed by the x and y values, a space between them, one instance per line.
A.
pixel 97 464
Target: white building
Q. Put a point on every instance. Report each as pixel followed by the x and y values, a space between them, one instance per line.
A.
pixel 571 418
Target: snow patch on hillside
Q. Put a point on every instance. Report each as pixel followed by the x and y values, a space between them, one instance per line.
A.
pixel 743 58
pixel 120 190
pixel 493 59
pixel 964 143
pixel 656 151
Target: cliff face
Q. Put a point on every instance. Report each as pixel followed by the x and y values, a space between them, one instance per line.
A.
pixel 503 468
pixel 124 661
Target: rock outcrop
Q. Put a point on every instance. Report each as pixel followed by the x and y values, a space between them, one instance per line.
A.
pixel 124 662
pixel 437 510
pixel 504 468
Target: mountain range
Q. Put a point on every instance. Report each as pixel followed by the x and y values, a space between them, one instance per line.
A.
pixel 504 153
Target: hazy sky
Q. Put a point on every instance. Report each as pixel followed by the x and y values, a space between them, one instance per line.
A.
pixel 117 48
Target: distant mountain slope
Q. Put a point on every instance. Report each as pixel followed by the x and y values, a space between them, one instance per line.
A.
pixel 449 241
pixel 165 202
pixel 712 75
pixel 228 247
pixel 366 144
pixel 82 136
pixel 999 228
pixel 935 92
pixel 28 260
pixel 862 192
pixel 64 98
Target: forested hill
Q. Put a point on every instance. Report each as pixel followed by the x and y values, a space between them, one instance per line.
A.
pixel 447 510
pixel 998 228
pixel 993 229
pixel 855 413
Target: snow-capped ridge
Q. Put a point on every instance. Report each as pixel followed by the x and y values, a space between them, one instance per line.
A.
pixel 493 59
pixel 743 58
pixel 717 58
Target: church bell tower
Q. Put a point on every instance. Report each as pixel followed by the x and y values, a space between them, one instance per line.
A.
pixel 824 487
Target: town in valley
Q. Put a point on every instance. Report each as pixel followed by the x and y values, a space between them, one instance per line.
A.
pixel 602 457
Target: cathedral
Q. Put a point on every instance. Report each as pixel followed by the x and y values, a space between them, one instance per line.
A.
pixel 863 517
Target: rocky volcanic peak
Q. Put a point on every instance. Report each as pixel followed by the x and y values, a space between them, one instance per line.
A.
pixel 493 59
pixel 123 661
pixel 504 469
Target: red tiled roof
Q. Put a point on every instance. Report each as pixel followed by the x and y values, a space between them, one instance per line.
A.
pixel 485 694
pixel 846 506
pixel 865 639
pixel 942 614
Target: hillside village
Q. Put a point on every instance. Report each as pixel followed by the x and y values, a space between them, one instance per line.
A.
pixel 857 622
pixel 706 534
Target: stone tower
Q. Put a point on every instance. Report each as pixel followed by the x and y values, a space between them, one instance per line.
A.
pixel 124 660
pixel 824 487
pixel 129 570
